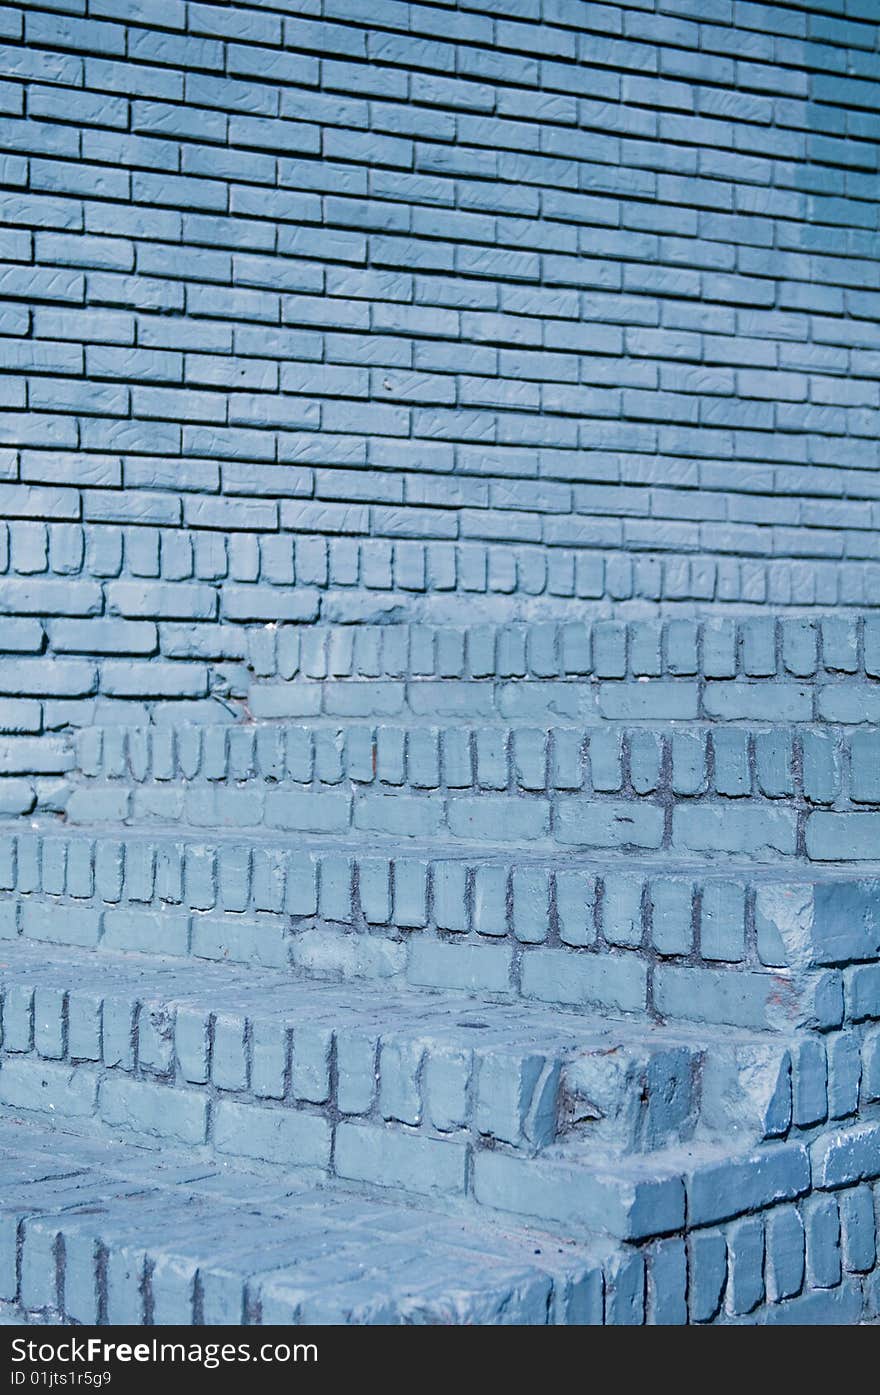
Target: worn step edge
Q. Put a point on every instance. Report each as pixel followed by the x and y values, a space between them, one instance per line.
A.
pixel 802 916
pixel 421 1060
pixel 594 1191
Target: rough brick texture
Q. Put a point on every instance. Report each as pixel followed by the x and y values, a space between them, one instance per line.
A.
pixel 329 308
pixel 439 794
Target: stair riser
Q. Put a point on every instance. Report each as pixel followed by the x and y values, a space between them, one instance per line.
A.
pixel 745 828
pixel 748 828
pixel 819 765
pixel 827 647
pixel 439 1089
pixel 521 701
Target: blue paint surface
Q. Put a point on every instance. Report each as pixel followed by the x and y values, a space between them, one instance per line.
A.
pixel 439 809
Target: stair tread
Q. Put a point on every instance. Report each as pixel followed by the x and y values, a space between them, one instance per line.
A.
pixel 305 1253
pixel 363 842
pixel 274 995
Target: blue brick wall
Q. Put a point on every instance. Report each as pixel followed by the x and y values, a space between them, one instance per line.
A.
pixel 316 308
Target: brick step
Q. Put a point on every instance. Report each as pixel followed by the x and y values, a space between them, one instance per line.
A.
pixel 253 1064
pixel 579 1191
pixel 722 669
pixel 796 668
pixel 688 938
pixel 699 790
pixel 812 647
pixel 604 976
pixel 818 765
pixel 99 1232
pixel 92 1231
pixel 843 699
pixel 230 1042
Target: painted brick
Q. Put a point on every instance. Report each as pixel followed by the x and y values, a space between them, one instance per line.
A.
pixel 610 981
pixel 858 1229
pixel 846 1157
pixel 273 1135
pixel 780 1175
pixel 632 1208
pixel 366 372
pixel 45 1085
pixel 734 830
pixel 822 1223
pixel 707 1271
pixel 609 825
pixel 470 968
pixel 745 1249
pixel 422 1165
pixel 842 837
pixel 733 996
pixel 153 1109
pixel 784 1239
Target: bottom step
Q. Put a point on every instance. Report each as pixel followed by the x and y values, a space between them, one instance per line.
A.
pixel 110 1233
pixel 92 1232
